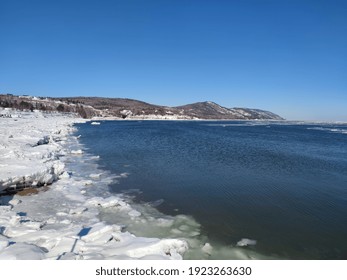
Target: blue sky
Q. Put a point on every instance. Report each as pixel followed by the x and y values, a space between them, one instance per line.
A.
pixel 286 56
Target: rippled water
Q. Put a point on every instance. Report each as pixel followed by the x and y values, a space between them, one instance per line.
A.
pixel 282 184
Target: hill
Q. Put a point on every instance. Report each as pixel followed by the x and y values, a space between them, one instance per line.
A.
pixel 91 107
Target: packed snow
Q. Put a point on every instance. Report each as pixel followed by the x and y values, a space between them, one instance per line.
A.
pixel 73 215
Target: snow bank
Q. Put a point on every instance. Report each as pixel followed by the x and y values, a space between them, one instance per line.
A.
pixel 30 150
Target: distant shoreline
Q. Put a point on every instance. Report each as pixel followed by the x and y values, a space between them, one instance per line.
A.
pixel 89 107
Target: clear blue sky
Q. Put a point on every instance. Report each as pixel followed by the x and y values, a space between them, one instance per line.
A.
pixel 286 56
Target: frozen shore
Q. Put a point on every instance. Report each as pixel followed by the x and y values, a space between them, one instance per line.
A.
pixel 63 221
pixel 30 147
pixel 75 216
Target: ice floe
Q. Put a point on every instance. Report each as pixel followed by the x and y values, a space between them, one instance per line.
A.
pixel 246 242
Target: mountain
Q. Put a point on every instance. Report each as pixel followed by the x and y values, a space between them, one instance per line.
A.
pixel 211 110
pixel 89 107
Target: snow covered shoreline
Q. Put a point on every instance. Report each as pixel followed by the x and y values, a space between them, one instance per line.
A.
pixel 30 147
pixel 63 222
pixel 76 216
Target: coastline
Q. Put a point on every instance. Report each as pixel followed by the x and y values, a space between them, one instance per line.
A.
pixel 75 216
pixel 62 221
pixel 270 121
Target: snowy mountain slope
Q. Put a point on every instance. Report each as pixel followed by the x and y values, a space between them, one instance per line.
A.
pixel 89 107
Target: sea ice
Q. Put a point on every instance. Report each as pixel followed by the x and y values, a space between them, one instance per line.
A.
pixel 22 251
pixel 95 175
pixel 246 242
pixel 134 213
pixel 207 248
pixel 77 152
pixel 63 221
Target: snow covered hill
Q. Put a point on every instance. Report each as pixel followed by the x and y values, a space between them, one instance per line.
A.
pixel 123 108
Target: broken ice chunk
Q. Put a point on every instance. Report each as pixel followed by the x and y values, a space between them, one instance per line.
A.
pixel 245 242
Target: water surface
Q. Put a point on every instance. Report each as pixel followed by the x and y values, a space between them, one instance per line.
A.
pixel 282 184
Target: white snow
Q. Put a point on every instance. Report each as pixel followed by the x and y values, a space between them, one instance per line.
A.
pixel 126 113
pixel 29 150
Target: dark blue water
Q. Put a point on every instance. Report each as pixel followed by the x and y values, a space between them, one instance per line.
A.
pixel 284 185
